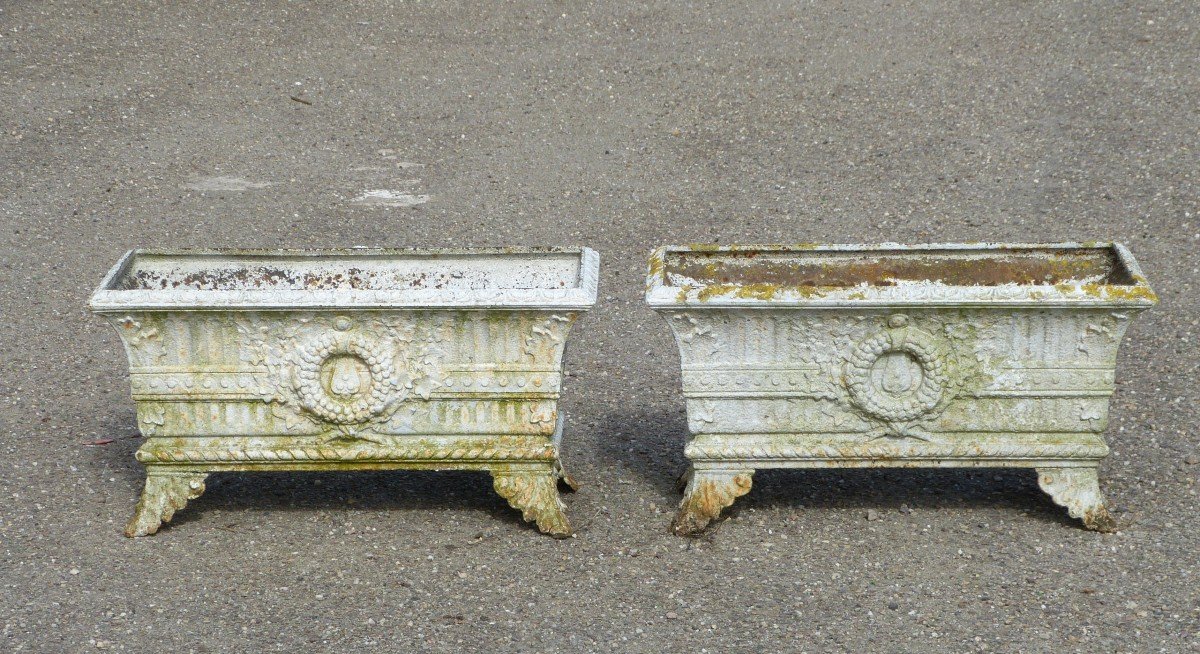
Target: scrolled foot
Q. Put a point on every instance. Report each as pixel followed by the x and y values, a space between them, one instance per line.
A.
pixel 535 495
pixel 164 494
pixel 1078 489
pixel 707 494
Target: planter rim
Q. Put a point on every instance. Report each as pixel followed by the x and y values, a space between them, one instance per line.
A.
pixel 577 293
pixel 662 294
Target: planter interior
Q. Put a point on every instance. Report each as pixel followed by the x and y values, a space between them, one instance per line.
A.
pixel 818 268
pixel 873 356
pixel 348 359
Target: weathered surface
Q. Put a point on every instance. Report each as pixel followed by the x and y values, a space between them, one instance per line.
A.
pixel 229 375
pixel 844 356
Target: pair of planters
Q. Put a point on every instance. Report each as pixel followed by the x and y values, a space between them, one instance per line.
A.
pixel 798 357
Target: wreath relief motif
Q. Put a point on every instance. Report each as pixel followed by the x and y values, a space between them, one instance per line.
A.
pixel 345 379
pixel 897 375
pixel 342 374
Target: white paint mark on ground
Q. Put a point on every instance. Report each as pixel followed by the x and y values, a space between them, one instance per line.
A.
pixel 386 198
pixel 391 154
pixel 223 184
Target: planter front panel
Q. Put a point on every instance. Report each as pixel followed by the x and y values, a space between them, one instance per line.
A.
pixel 794 371
pixel 198 374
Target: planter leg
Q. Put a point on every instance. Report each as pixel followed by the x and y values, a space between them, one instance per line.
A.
pixel 682 481
pixel 708 492
pixel 1078 489
pixel 164 494
pixel 535 495
pixel 565 482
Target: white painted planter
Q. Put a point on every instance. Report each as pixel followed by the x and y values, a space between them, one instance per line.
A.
pixel 880 356
pixel 348 359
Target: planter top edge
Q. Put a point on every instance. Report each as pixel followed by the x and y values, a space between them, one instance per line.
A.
pixel 895 275
pixel 354 251
pixel 349 279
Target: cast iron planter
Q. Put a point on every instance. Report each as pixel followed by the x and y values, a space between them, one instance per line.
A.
pixel 348 360
pixel 880 356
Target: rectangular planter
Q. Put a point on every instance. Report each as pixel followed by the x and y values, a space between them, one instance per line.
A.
pixel 887 355
pixel 348 360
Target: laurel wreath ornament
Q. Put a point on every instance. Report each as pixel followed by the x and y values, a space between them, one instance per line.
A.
pixel 897 338
pixel 362 406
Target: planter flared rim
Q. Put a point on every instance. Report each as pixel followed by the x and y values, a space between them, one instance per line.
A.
pixel 580 296
pixel 660 294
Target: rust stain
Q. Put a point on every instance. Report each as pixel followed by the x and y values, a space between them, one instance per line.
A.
pixel 837 270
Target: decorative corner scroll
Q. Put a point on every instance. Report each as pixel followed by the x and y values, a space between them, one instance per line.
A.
pixel 549 332
pixel 150 417
pixel 142 335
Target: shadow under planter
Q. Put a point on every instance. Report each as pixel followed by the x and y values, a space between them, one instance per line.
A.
pixel 892 356
pixel 286 360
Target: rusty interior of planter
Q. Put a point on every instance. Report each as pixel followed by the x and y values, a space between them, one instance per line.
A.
pixel 318 270
pixel 849 268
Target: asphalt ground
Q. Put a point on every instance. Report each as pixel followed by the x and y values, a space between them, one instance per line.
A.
pixel 618 126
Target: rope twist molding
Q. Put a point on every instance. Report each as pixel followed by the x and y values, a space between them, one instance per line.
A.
pixel 358 453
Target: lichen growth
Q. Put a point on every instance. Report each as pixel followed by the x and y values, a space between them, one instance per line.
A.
pixel 658 262
pixel 1136 293
pixel 758 291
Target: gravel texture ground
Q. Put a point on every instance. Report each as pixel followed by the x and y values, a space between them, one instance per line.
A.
pixel 618 126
